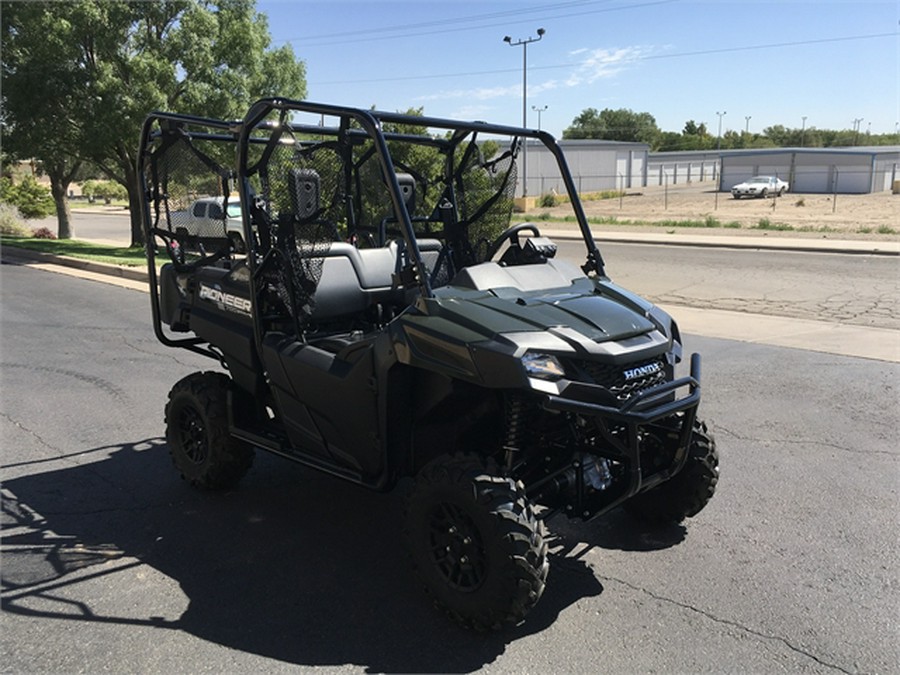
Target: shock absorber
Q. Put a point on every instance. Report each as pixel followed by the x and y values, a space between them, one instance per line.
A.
pixel 515 422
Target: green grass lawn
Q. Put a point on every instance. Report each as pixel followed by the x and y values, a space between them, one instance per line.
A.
pixel 129 257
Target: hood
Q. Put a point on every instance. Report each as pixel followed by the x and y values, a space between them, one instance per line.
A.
pixel 598 318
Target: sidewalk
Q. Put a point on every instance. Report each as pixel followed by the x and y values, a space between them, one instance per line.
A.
pixel 753 242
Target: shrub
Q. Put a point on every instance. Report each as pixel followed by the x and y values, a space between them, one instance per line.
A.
pixel 11 222
pixel 604 194
pixel 89 189
pixel 766 224
pixel 548 200
pixel 32 200
pixel 800 202
pixel 42 233
pixel 107 190
pixel 110 190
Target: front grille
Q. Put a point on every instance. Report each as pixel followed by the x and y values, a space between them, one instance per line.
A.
pixel 613 379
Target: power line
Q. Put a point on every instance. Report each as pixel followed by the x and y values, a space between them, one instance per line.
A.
pixel 443 22
pixel 310 41
pixel 772 45
pixel 704 52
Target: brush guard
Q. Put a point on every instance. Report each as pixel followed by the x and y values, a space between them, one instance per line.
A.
pixel 643 408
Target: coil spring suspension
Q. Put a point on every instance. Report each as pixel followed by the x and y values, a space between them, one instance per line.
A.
pixel 515 427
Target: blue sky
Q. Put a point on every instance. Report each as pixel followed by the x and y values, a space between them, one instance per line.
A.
pixel 831 61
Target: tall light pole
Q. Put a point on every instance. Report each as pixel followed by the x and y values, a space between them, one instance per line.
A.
pixel 539 111
pixel 719 135
pixel 856 124
pixel 802 130
pixel 524 42
pixel 747 121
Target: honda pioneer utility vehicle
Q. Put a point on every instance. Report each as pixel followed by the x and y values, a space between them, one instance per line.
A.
pixel 387 317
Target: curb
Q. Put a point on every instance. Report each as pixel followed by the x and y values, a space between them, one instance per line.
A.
pixel 102 211
pixel 23 254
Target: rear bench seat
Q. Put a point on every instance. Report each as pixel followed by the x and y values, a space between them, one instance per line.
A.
pixel 354 279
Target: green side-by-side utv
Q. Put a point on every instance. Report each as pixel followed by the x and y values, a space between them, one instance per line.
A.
pixel 383 315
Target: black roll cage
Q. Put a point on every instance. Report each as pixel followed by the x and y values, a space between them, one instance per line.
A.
pixel 245 133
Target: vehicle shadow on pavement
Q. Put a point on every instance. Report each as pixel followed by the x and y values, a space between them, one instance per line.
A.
pixel 292 565
pixel 619 531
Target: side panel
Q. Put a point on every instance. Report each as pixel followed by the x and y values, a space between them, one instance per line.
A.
pixel 219 313
pixel 328 401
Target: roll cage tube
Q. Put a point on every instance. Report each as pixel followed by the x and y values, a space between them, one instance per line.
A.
pixel 372 121
pixel 371 125
pixel 193 344
pixel 594 261
pixel 372 128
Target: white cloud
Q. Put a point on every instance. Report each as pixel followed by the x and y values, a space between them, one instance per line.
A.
pixel 471 112
pixel 603 63
pixel 595 64
pixel 480 94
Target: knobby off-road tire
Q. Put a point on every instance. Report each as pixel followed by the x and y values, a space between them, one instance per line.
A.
pixel 207 456
pixel 688 491
pixel 475 542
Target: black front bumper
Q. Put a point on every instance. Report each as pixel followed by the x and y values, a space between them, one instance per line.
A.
pixel 643 408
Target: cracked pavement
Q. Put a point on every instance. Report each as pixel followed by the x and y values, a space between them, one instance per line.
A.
pixel 110 562
pixel 862 290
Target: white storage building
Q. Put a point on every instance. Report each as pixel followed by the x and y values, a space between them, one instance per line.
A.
pixel 595 166
pixel 678 168
pixel 855 170
pixel 610 165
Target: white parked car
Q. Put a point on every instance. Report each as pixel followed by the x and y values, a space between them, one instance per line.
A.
pixel 204 218
pixel 760 186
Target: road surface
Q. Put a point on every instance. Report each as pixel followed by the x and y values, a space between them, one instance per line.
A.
pixel 111 563
pixel 859 290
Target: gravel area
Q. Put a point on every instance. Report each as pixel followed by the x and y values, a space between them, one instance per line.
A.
pixel 869 216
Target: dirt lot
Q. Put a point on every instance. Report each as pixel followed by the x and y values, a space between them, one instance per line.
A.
pixel 808 215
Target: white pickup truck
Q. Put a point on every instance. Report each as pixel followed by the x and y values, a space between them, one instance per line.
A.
pixel 205 219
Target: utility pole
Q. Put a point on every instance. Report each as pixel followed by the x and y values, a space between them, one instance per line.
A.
pixel 802 130
pixel 719 135
pixel 524 43
pixel 539 111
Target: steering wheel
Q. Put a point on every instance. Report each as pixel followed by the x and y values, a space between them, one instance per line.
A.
pixel 512 235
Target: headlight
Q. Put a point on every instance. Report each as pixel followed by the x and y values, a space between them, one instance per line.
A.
pixel 543 366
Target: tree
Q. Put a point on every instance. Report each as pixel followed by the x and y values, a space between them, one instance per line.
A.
pixel 587 125
pixel 42 87
pixel 614 125
pixel 122 60
pixel 669 141
pixel 691 128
